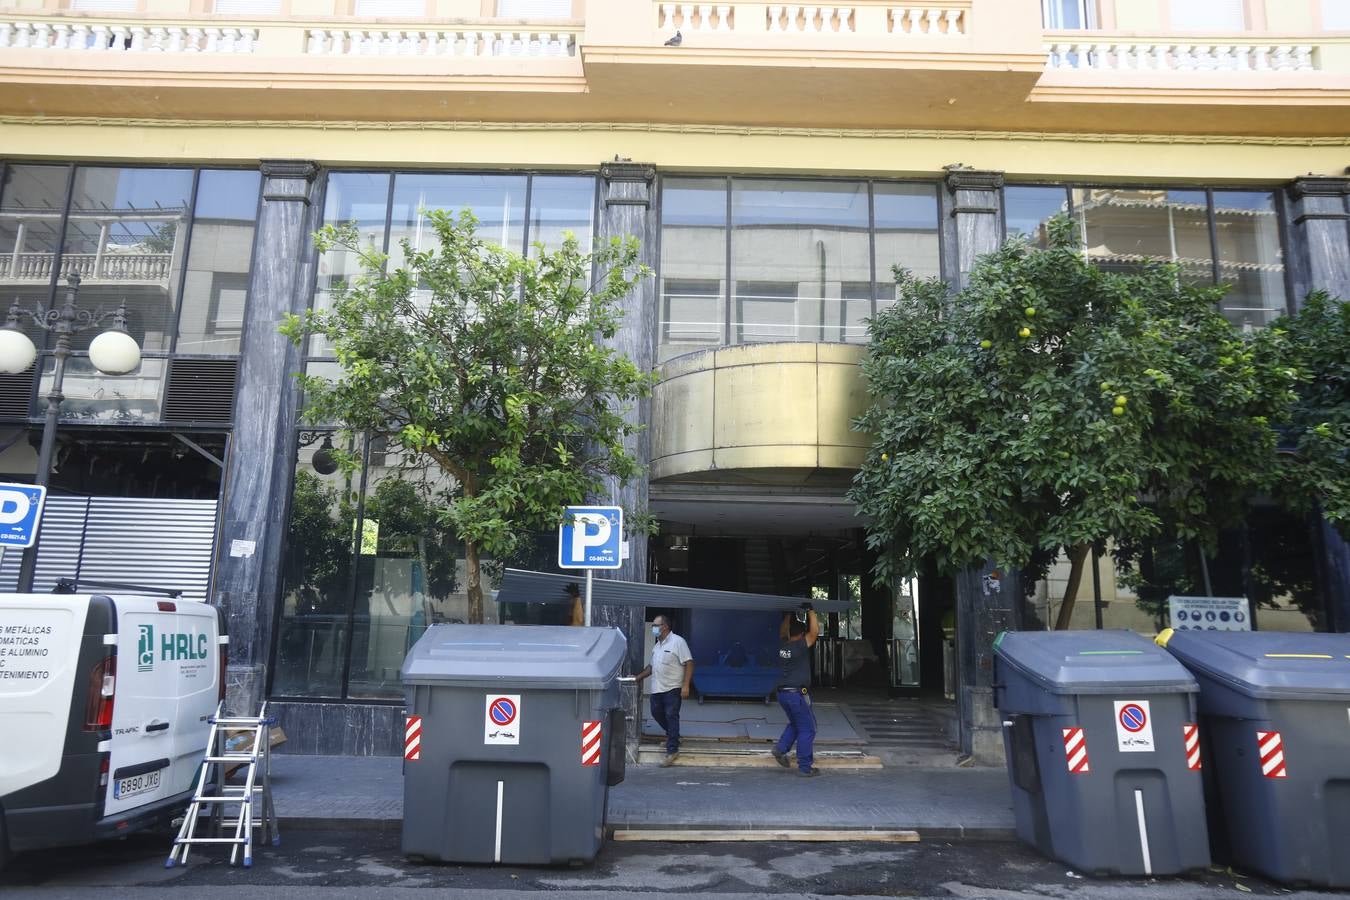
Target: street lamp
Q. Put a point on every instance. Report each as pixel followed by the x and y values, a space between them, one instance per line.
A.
pixel 114 352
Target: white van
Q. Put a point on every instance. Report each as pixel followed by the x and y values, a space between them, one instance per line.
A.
pixel 104 709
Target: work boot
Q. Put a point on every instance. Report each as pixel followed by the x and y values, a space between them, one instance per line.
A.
pixel 669 759
pixel 781 757
pixel 808 773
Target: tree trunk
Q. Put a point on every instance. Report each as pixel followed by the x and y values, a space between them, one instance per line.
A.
pixel 1076 558
pixel 475 583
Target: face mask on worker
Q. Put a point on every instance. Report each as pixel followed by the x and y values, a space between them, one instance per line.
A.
pixel 656 631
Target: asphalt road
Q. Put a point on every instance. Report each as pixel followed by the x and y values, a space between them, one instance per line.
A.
pixel 332 865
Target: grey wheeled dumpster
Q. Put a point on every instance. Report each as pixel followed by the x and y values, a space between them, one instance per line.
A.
pixel 1100 736
pixel 1273 715
pixel 513 736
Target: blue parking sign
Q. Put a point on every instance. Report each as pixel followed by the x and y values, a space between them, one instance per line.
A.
pixel 20 512
pixel 591 537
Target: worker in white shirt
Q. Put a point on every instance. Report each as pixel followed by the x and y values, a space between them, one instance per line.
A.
pixel 671 671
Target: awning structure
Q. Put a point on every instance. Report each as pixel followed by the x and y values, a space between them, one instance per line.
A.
pixel 520 586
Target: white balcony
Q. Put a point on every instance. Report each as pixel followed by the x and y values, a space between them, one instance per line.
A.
pixel 127 38
pixel 1103 54
pixel 93 268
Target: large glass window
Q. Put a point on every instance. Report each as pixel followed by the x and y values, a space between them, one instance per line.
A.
pixel 906 235
pixel 126 236
pixel 1061 15
pixel 1028 208
pixel 174 246
pixel 32 200
pixel 216 287
pixel 809 260
pixel 1125 229
pixel 693 265
pixel 1231 238
pixel 368 565
pixel 800 261
pixel 1251 264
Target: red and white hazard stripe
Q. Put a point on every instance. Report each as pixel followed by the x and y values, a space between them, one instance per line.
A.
pixel 1271 747
pixel 1191 733
pixel 590 743
pixel 412 738
pixel 1075 751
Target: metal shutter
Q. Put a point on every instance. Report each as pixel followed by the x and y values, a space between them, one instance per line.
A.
pixel 535 9
pixel 1209 15
pixel 152 542
pixel 16 393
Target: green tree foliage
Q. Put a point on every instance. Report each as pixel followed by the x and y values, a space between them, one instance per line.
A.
pixel 490 366
pixel 1318 471
pixel 1051 404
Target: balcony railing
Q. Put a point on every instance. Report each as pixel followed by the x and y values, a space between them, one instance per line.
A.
pixel 127 38
pixel 89 266
pixel 465 42
pixel 1103 54
pixel 938 19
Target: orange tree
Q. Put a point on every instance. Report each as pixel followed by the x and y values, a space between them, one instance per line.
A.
pixel 490 367
pixel 1051 404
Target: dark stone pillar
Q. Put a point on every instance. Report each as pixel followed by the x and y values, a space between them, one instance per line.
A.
pixel 628 207
pixel 1320 238
pixel 259 469
pixel 985 604
pixel 1320 253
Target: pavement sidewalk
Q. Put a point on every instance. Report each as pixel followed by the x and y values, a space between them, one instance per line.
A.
pixel 939 803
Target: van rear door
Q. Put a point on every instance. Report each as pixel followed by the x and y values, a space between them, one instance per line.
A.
pixel 40 637
pixel 197 649
pixel 144 713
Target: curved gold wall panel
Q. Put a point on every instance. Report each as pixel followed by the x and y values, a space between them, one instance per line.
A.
pixel 758 407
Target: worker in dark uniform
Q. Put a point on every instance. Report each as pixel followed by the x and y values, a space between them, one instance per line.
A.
pixel 798 634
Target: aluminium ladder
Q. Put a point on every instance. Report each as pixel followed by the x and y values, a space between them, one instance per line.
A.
pixel 215 794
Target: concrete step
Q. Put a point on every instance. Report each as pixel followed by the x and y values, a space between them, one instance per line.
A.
pixel 755 757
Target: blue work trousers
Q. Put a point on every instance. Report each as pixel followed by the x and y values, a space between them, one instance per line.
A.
pixel 801 726
pixel 666 712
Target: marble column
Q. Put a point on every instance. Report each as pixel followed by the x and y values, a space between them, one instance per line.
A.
pixel 260 465
pixel 1319 218
pixel 987 599
pixel 1320 236
pixel 628 207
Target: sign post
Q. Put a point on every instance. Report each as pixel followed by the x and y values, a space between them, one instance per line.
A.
pixel 20 514
pixel 590 538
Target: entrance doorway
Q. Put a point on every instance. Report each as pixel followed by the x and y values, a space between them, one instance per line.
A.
pixel 876 645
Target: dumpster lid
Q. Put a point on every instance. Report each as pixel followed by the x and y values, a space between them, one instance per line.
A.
pixel 525 656
pixel 1269 664
pixel 1093 662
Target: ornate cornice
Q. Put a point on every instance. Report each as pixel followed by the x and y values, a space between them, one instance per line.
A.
pixel 963 178
pixel 672 128
pixel 288 168
pixel 627 170
pixel 1319 186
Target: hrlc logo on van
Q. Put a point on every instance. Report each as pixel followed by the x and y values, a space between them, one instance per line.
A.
pixel 145 649
pixel 176 647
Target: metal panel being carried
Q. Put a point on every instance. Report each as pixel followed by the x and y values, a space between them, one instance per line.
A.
pixel 519 586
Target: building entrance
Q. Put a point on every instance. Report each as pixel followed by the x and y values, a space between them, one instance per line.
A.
pixel 877 645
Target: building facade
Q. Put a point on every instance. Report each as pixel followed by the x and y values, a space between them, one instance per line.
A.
pixel 776 161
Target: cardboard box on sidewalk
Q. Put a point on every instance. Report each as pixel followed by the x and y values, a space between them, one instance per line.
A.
pixel 240 740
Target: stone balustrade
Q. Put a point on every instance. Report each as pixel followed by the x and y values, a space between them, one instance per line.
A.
pixel 37 266
pixel 948 18
pixel 1178 56
pixel 127 38
pixel 483 41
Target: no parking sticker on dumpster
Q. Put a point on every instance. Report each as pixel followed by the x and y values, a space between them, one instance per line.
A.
pixel 501 721
pixel 1134 726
